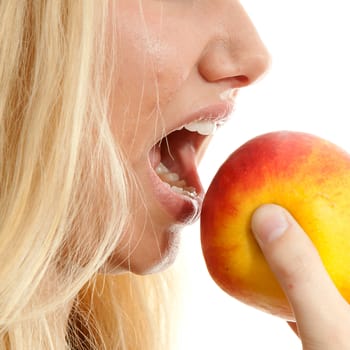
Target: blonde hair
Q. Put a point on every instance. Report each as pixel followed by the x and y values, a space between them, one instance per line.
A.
pixel 63 188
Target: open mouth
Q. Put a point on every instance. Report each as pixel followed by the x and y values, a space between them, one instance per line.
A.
pixel 174 160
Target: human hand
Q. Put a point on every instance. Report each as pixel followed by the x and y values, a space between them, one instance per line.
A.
pixel 322 314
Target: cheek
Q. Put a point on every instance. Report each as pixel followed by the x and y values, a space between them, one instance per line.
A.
pixel 171 65
pixel 144 83
pixel 149 70
pixel 152 63
pixel 170 77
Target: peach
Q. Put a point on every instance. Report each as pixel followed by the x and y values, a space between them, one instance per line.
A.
pixel 308 176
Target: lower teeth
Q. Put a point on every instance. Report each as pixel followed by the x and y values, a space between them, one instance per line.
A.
pixel 173 180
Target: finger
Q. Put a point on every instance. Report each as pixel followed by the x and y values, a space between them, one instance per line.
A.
pixel 298 268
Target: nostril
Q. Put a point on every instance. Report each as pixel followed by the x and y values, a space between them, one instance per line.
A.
pixel 240 80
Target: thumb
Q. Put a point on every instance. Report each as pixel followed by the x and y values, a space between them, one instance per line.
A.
pixel 298 267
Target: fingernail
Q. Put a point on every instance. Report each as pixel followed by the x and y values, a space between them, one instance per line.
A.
pixel 269 222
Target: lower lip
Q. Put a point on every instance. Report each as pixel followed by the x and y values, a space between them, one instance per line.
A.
pixel 182 208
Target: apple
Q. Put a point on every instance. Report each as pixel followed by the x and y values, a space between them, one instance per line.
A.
pixel 307 175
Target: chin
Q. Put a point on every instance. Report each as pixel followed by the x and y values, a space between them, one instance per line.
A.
pixel 147 257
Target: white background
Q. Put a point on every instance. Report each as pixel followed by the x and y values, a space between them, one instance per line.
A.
pixel 307 89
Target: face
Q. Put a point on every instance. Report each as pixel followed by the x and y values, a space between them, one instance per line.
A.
pixel 180 65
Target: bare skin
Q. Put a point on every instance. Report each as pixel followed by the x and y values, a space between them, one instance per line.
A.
pixel 322 314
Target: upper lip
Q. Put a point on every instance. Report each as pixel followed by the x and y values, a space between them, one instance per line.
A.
pixel 218 113
pixel 182 160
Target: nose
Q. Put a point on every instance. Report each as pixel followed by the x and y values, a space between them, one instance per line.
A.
pixel 235 52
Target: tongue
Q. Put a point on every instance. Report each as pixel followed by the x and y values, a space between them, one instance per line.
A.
pixel 179 155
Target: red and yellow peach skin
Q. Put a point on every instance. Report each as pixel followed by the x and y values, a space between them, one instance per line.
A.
pixel 305 174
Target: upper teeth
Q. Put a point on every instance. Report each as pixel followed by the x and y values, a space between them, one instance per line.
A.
pixel 203 127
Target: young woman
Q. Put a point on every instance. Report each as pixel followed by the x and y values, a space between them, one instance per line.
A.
pixel 106 108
